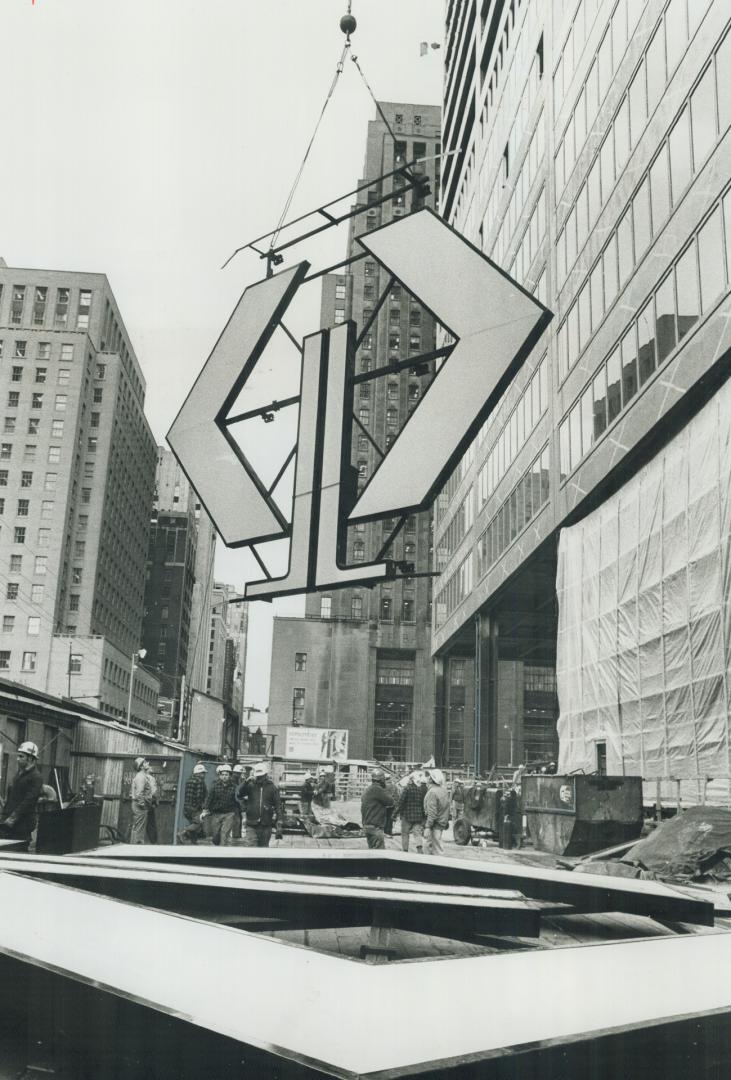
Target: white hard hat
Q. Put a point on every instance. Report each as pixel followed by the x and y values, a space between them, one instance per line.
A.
pixel 29 748
pixel 307 776
pixel 436 775
pixel 238 768
pixel 261 768
pixel 139 761
pixel 199 768
pixel 223 768
pixel 329 768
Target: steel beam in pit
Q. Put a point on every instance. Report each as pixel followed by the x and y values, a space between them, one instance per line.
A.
pixel 586 893
pixel 258 899
pixel 569 998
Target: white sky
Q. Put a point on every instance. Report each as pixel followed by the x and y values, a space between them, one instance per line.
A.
pixel 146 139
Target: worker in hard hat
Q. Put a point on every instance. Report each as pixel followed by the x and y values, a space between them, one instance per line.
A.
pixel 19 812
pixel 238 775
pixel 307 794
pixel 410 809
pixel 144 796
pixel 436 808
pixel 220 805
pixel 262 806
pixel 194 801
pixel 375 806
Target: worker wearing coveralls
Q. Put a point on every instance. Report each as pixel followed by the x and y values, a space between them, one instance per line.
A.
pixel 144 797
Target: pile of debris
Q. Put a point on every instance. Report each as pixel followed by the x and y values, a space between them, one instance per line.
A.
pixel 328 824
pixel 693 846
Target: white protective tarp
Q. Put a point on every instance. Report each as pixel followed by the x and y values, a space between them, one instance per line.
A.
pixel 644 628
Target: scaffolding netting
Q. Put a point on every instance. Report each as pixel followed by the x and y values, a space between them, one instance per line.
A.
pixel 644 630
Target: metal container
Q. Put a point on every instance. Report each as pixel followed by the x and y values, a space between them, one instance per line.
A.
pixel 574 815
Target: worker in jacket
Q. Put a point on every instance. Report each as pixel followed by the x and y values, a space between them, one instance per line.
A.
pixel 375 806
pixel 144 798
pixel 307 794
pixel 194 801
pixel 220 805
pixel 262 807
pixel 19 812
pixel 436 808
pixel 410 809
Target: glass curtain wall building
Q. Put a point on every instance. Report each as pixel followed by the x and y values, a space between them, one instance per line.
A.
pixel 589 157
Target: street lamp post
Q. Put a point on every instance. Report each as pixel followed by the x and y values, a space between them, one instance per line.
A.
pixel 139 655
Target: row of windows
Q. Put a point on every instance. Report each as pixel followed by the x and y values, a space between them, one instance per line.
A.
pixel 36 399
pixel 40 567
pixel 523 504
pixel 656 66
pixel 662 186
pixel 515 433
pixel 511 112
pixel 32 629
pixel 690 141
pixel 533 236
pixel 457 589
pixel 611 49
pixel 43 352
pixel 447 493
pixel 521 191
pixel 456 531
pixel 690 289
pixel 28 663
pixel 41 376
pixel 38 296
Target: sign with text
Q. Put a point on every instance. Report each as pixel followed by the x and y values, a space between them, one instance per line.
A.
pixel 316 744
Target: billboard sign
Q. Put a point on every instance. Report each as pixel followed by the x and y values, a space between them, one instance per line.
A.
pixel 316 744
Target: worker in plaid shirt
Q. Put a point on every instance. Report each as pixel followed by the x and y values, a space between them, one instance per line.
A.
pixel 410 809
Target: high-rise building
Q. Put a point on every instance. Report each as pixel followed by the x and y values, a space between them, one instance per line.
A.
pixel 360 659
pixel 77 467
pixel 589 157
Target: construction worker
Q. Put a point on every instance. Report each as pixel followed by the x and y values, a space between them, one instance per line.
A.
pixel 261 803
pixel 410 809
pixel 307 794
pixel 144 796
pixel 238 779
pixel 436 807
pixel 374 809
pixel 220 806
pixel 19 812
pixel 196 791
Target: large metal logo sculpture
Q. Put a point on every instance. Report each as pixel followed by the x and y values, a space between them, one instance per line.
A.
pixel 494 323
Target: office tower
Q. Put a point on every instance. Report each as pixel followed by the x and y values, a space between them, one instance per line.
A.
pixel 360 659
pixel 589 158
pixel 77 468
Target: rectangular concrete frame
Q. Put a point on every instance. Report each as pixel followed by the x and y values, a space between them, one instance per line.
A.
pixel 586 893
pixel 567 996
pixel 275 898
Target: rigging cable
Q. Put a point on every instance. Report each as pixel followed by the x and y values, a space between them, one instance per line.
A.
pixel 293 189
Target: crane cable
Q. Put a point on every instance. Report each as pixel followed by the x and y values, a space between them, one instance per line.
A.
pixel 333 84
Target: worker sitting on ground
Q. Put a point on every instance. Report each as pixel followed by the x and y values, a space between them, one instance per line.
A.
pixel 374 808
pixel 436 807
pixel 260 801
pixel 220 805
pixel 196 791
pixel 410 809
pixel 19 812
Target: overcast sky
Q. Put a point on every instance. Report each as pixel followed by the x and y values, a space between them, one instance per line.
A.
pixel 146 139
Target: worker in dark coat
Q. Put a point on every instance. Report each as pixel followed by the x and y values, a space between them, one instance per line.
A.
pixel 194 801
pixel 375 806
pixel 19 812
pixel 261 803
pixel 307 794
